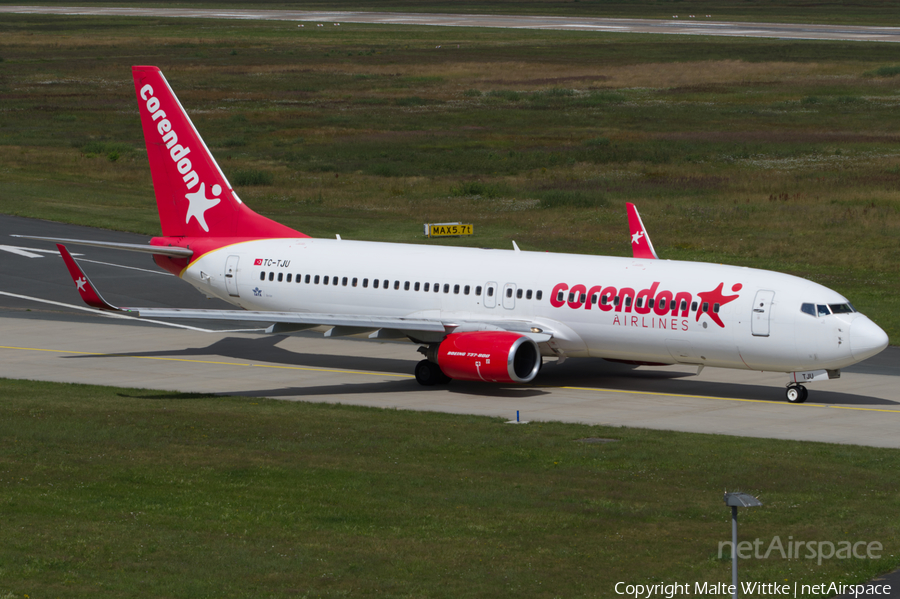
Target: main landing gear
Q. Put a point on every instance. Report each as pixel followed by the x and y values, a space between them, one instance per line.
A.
pixel 428 373
pixel 796 393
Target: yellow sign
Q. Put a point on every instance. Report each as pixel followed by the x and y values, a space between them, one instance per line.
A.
pixel 447 229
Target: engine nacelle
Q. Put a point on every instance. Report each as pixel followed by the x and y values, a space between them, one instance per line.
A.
pixel 492 356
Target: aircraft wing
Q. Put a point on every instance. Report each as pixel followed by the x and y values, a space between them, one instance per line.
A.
pixel 286 322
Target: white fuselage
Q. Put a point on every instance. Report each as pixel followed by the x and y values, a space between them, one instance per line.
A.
pixel 590 303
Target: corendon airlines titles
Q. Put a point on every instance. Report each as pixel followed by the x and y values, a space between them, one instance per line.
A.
pixel 625 300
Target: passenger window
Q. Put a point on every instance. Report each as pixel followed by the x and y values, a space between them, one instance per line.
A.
pixel 344 281
pixel 693 306
pixel 490 291
pixel 271 276
pixel 298 277
pixel 662 303
pixel 365 283
pixel 324 280
pixel 416 286
pixel 572 297
pixel 289 278
pixel 456 290
pixel 386 284
pixel 519 294
pixel 262 276
pixel 406 286
pixel 478 290
pixel 374 283
pixel 316 279
pixel 823 310
pixel 672 305
pixel 437 287
pixel 808 309
pixel 446 287
pixel 354 281
pixel 603 299
pixel 616 301
pixel 583 297
pixel 539 294
pixel 466 290
pixel 640 302
pixel 683 305
pixel 280 277
pixel 559 296
pixel 528 294
pixel 426 287
pixel 716 308
pixel 396 285
pixel 706 307
pixel 627 300
pixel 509 292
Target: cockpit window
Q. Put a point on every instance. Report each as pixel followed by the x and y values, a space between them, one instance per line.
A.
pixel 842 308
pixel 827 310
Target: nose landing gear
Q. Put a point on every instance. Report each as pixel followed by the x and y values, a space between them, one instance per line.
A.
pixel 796 393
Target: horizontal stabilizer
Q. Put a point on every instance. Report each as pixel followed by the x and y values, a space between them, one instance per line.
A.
pixel 175 252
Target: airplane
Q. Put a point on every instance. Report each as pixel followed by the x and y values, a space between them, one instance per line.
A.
pixel 477 314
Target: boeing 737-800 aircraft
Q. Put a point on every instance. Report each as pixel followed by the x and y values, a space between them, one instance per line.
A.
pixel 477 314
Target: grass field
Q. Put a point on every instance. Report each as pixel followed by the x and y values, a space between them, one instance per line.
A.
pixel 871 12
pixel 135 493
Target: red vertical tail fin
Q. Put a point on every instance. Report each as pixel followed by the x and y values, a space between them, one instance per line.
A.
pixel 193 195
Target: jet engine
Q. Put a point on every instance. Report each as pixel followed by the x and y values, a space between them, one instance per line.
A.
pixel 493 356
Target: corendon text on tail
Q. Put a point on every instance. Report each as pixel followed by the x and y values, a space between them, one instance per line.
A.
pixel 475 314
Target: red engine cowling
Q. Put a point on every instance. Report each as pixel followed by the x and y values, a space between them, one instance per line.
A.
pixel 492 356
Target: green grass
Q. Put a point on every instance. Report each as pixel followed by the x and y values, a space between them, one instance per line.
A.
pixel 764 153
pixel 125 492
pixel 873 12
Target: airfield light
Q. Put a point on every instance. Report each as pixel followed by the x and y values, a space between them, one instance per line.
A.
pixel 735 500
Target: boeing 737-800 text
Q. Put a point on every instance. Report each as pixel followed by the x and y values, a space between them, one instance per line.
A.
pixel 478 314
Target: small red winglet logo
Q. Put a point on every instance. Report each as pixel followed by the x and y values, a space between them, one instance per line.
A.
pixel 641 245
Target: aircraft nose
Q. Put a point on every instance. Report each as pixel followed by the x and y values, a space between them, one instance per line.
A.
pixel 866 338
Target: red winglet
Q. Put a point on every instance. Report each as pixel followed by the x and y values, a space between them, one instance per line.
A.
pixel 640 241
pixel 88 293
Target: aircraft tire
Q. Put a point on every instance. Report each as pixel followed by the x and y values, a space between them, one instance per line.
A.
pixel 429 374
pixel 796 393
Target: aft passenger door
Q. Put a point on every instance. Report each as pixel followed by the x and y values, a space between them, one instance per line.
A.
pixel 231 266
pixel 759 319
